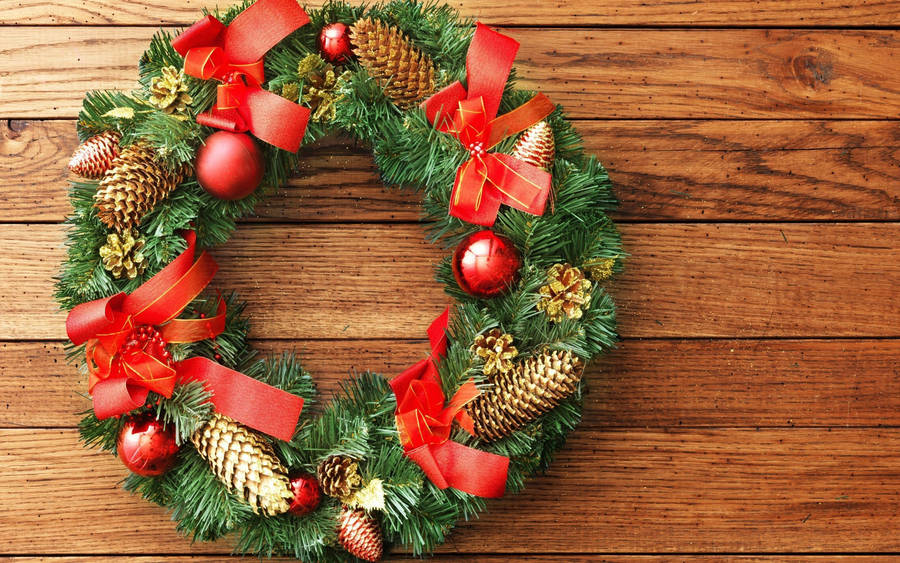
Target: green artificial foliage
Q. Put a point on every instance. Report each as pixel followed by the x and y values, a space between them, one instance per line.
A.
pixel 359 420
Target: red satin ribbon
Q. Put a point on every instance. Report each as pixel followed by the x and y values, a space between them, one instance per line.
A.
pixel 121 377
pixel 487 180
pixel 424 424
pixel 233 55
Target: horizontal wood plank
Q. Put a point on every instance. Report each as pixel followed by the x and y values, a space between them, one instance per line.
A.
pixel 662 170
pixel 644 383
pixel 715 280
pixel 635 491
pixel 472 558
pixel 833 13
pixel 593 73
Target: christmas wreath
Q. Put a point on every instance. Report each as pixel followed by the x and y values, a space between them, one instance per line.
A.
pixel 218 436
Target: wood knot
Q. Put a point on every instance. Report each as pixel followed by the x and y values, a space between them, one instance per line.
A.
pixel 813 68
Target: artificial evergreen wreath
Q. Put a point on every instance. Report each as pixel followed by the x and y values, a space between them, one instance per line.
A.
pixel 216 435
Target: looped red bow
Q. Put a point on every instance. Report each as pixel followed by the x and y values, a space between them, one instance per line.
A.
pixel 424 424
pixel 489 179
pixel 125 337
pixel 233 55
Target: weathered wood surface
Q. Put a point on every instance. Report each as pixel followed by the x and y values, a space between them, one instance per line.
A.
pixel 594 73
pixel 832 13
pixel 690 280
pixel 662 170
pixel 630 491
pixel 644 383
pixel 752 407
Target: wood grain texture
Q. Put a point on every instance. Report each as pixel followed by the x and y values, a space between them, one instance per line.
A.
pixel 834 13
pixel 636 491
pixel 661 170
pixel 567 558
pixel 593 73
pixel 644 383
pixel 688 280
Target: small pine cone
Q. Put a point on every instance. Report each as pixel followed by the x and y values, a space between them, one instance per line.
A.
pixel 536 146
pixel 567 294
pixel 405 73
pixel 339 476
pixel 533 388
pixel 135 183
pixel 122 254
pixel 497 350
pixel 168 91
pixel 246 463
pixel 600 268
pixel 95 156
pixel 360 534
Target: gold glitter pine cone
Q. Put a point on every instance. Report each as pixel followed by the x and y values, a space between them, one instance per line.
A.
pixel 533 388
pixel 95 156
pixel 320 81
pixel 600 268
pixel 122 256
pixel 168 92
pixel 135 183
pixel 339 476
pixel 497 350
pixel 360 534
pixel 405 73
pixel 246 463
pixel 536 146
pixel 566 295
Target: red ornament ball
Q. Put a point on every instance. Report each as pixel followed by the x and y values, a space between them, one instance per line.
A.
pixel 146 446
pixel 334 43
pixel 485 264
pixel 230 165
pixel 307 494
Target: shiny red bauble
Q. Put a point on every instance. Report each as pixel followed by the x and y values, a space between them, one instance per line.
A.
pixel 334 43
pixel 485 264
pixel 229 165
pixel 146 446
pixel 307 494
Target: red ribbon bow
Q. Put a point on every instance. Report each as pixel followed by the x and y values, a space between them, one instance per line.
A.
pixel 488 179
pixel 233 55
pixel 424 425
pixel 125 337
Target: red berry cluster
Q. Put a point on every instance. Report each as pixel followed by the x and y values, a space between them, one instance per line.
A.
pixel 144 339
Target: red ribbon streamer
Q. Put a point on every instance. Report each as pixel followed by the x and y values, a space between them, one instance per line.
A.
pixel 121 377
pixel 487 179
pixel 424 424
pixel 233 55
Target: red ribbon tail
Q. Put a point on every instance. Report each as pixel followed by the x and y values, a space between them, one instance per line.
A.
pixel 116 396
pixel 473 199
pixel 451 464
pixel 244 399
pixel 437 334
pixel 521 185
pixel 274 119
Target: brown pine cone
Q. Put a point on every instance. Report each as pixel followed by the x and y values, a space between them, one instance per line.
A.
pixel 94 157
pixel 566 295
pixel 339 476
pixel 497 350
pixel 520 396
pixel 246 463
pixel 135 183
pixel 360 534
pixel 405 73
